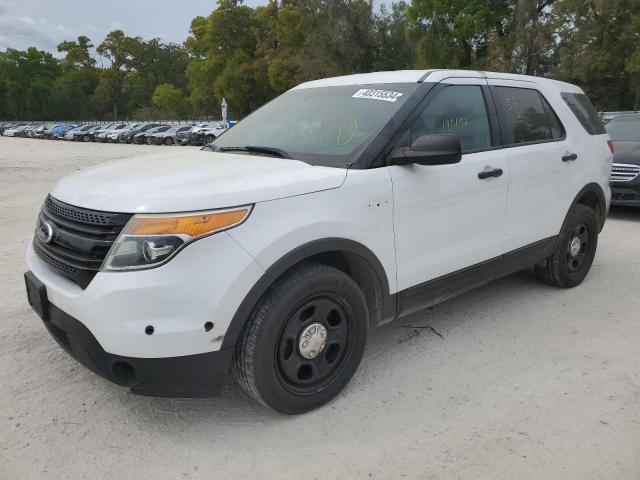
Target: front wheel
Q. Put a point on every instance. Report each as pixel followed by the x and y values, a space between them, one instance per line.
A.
pixel 571 261
pixel 304 340
pixel 168 141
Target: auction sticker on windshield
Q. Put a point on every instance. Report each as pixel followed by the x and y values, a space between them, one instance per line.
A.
pixel 385 95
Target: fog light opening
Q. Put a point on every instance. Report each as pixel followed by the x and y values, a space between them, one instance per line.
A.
pixel 124 374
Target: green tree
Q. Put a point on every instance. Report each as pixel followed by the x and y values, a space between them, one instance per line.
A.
pixel 525 43
pixel 394 50
pixel 224 60
pixel 29 78
pixel 120 52
pixel 598 49
pixel 78 53
pixel 78 81
pixel 456 33
pixel 154 63
pixel 170 100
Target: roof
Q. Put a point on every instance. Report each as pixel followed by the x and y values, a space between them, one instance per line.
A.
pixel 416 76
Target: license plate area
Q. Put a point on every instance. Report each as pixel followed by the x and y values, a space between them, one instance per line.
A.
pixel 37 295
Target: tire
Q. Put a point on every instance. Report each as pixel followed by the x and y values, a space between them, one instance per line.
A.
pixel 571 261
pixel 208 139
pixel 268 363
pixel 168 141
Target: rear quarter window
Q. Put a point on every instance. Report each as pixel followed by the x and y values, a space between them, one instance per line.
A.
pixel 585 112
pixel 527 117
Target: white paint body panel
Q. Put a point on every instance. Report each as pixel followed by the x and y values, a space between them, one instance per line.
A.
pixel 446 218
pixel 360 210
pixel 542 186
pixel 192 180
pixel 205 282
pixel 421 222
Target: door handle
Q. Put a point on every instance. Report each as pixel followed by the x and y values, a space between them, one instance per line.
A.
pixel 570 157
pixel 496 172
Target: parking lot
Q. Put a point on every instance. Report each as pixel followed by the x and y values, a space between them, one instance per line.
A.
pixel 513 380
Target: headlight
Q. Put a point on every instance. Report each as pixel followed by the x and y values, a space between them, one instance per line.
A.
pixel 150 240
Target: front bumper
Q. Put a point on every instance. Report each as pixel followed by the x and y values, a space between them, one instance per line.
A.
pixel 199 375
pixel 205 282
pixel 626 193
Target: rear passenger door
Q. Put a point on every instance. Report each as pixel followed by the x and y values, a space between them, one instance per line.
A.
pixel 449 217
pixel 539 159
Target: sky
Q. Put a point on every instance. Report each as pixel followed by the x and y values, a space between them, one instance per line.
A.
pixel 46 23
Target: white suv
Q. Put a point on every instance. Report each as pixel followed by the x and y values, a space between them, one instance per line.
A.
pixel 341 205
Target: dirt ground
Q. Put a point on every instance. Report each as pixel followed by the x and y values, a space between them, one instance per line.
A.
pixel 527 381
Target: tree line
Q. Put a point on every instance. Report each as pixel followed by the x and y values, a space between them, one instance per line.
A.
pixel 250 55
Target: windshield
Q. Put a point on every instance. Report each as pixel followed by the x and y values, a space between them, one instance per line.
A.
pixel 327 126
pixel 624 129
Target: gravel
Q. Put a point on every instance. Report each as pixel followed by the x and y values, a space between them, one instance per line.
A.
pixel 525 381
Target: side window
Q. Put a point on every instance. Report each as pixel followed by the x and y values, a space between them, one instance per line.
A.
pixel 457 110
pixel 527 116
pixel 585 112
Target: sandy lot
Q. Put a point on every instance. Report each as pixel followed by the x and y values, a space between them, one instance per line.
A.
pixel 528 381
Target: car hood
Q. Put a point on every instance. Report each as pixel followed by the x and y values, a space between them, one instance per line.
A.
pixel 627 152
pixel 189 181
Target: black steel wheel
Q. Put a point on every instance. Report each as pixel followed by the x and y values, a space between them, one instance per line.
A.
pixel 577 247
pixel 304 340
pixel 575 250
pixel 313 344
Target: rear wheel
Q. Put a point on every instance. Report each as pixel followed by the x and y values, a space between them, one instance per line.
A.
pixel 168 141
pixel 571 261
pixel 304 340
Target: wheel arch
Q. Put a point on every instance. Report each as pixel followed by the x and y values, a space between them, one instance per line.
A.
pixel 593 197
pixel 348 256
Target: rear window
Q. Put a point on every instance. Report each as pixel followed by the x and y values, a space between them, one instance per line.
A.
pixel 585 112
pixel 624 129
pixel 527 116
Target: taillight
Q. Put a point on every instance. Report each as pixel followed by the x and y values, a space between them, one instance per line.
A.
pixel 611 147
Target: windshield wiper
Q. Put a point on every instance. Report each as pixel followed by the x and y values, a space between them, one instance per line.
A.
pixel 253 148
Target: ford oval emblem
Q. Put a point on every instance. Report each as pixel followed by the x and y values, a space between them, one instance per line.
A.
pixel 45 232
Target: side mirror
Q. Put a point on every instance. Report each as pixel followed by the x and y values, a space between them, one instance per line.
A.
pixel 438 149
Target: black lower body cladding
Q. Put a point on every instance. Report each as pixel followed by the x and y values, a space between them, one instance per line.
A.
pixel 188 376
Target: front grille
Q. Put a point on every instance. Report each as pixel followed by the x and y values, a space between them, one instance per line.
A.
pixel 623 172
pixel 79 238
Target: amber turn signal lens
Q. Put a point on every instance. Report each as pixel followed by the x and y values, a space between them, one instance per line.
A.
pixel 193 225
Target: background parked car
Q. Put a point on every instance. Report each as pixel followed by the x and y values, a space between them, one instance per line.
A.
pixel 208 134
pixel 625 173
pixel 14 131
pixel 167 137
pixel 49 129
pixel 141 137
pixel 5 126
pixel 113 136
pixel 77 134
pixel 90 136
pixel 60 130
pixel 102 136
pixel 39 131
pixel 127 135
pixel 30 131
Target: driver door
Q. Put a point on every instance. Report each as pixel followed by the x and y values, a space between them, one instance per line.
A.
pixel 450 217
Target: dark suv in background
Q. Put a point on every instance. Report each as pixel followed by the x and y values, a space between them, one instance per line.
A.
pixel 625 174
